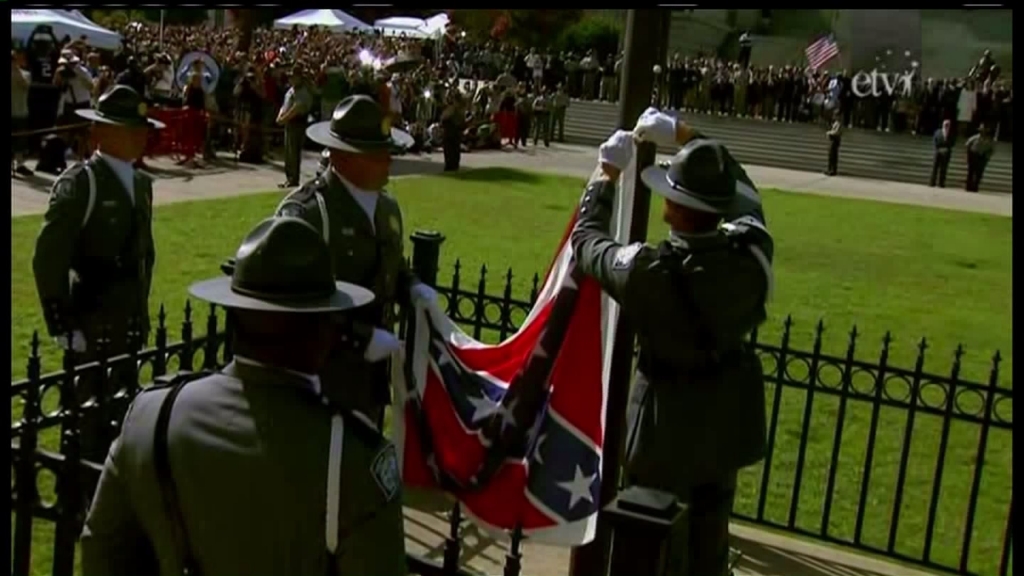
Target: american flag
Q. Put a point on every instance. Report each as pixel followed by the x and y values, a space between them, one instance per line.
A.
pixel 513 430
pixel 821 51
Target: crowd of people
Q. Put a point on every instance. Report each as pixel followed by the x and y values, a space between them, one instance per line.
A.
pixel 494 95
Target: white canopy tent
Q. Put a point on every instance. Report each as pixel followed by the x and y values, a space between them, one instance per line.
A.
pixel 334 20
pixel 433 27
pixel 64 23
pixel 436 25
pixel 402 26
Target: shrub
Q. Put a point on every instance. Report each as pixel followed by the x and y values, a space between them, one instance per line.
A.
pixel 599 33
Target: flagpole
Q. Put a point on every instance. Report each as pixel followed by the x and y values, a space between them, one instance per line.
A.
pixel 634 97
pixel 161 30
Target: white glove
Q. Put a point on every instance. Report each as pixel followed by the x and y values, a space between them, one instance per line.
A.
pixel 77 341
pixel 617 150
pixel 382 344
pixel 420 292
pixel 657 127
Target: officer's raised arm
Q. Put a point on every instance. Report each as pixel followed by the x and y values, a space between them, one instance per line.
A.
pixel 596 251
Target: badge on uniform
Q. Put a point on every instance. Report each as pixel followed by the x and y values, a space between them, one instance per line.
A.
pixel 64 188
pixel 385 472
pixel 624 256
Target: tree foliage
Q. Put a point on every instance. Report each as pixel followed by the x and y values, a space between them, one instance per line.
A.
pixel 600 33
pixel 533 28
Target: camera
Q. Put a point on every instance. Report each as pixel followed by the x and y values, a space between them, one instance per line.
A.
pixel 66 72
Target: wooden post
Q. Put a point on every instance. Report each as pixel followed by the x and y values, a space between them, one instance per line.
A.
pixel 634 97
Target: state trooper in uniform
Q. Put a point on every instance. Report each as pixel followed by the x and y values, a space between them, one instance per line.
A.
pixel 362 224
pixel 249 470
pixel 697 411
pixel 94 256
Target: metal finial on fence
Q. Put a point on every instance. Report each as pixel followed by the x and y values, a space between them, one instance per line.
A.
pixel 801 458
pixel 480 304
pixel 773 419
pixel 185 359
pixel 210 351
pixel 908 436
pixel 25 482
pixel 453 299
pixel 869 455
pixel 514 558
pixel 505 320
pixel 452 543
pixel 160 341
pixel 940 458
pixel 979 460
pixel 851 346
pixel 535 288
pixel 69 488
pixel 837 440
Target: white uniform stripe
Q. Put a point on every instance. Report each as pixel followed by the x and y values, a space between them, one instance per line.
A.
pixel 334 483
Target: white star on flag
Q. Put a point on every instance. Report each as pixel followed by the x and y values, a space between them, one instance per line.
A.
pixel 507 416
pixel 578 487
pixel 482 407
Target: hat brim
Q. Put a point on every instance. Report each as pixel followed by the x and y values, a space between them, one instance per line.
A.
pixel 321 134
pixel 95 116
pixel 656 178
pixel 218 291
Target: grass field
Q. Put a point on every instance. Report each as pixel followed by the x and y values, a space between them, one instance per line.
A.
pixel 918 272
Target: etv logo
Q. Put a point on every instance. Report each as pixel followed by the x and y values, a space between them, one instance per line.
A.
pixel 876 82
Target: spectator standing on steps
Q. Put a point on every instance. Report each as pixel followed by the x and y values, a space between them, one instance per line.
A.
pixel 979 151
pixel 944 141
pixel 835 138
pixel 535 62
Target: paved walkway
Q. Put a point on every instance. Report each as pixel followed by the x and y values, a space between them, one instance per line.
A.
pixel 226 178
pixel 764 553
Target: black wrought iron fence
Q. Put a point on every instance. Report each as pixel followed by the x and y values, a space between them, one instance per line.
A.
pixel 840 428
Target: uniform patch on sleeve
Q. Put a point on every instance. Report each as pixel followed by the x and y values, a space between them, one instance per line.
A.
pixel 385 472
pixel 624 256
pixel 63 188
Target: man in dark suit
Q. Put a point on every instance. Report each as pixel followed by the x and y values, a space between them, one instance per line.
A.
pixel 943 141
pixel 249 470
pixel 697 411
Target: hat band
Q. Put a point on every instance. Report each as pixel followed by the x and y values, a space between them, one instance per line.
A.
pixel 382 140
pixel 135 118
pixel 680 188
pixel 284 296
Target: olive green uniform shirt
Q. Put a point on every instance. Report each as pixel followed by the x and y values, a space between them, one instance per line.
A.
pixel 249 453
pixel 96 277
pixel 691 299
pixel 367 254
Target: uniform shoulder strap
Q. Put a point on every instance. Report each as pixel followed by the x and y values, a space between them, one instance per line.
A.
pixel 92 194
pixel 162 462
pixel 295 204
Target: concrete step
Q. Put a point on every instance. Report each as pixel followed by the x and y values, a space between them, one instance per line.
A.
pixel 864 153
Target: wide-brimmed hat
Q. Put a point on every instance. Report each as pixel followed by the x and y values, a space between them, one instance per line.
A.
pixel 121 106
pixel 357 125
pixel 283 265
pixel 698 177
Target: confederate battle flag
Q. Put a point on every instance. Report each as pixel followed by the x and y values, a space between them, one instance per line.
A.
pixel 513 430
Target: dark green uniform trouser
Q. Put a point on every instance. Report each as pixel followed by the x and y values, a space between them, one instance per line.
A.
pixel 294 136
pixel 452 147
pixel 701 546
pixel 542 127
pixel 558 124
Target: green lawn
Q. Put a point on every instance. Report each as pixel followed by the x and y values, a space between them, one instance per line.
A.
pixel 917 272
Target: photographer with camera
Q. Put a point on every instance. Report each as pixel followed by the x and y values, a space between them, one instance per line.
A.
pixel 75 84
